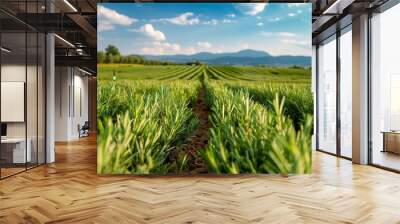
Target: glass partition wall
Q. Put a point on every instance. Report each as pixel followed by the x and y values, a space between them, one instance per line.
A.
pixel 334 94
pixel 345 62
pixel 22 95
pixel 385 89
pixel 327 95
pixel 334 90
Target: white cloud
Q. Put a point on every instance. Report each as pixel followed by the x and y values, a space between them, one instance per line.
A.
pixel 149 31
pixel 211 22
pixel 296 42
pixel 291 14
pixel 159 48
pixel 104 27
pixel 286 34
pixel 169 46
pixel 275 19
pixel 216 22
pixel 114 17
pixel 189 18
pixel 108 18
pixel 165 48
pixel 294 5
pixel 183 19
pixel 260 24
pixel 280 34
pixel 251 9
pixel 189 50
pixel 204 45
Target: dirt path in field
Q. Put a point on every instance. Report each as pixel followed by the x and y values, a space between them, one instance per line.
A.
pixel 199 138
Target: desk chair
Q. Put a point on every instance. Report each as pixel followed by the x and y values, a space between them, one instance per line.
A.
pixel 84 130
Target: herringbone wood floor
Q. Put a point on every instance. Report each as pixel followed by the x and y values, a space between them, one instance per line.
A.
pixel 70 191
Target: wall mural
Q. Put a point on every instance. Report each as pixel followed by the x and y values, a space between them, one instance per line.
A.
pixel 204 88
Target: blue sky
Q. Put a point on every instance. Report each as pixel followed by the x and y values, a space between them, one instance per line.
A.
pixel 162 29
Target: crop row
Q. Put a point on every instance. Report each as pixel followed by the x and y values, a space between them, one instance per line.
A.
pixel 298 98
pixel 247 137
pixel 141 122
pixel 194 72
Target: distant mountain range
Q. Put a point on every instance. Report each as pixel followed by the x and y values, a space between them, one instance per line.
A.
pixel 244 57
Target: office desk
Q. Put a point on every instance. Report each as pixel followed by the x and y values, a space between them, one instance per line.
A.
pixel 13 150
pixel 391 141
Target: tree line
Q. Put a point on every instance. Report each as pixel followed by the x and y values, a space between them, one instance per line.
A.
pixel 112 55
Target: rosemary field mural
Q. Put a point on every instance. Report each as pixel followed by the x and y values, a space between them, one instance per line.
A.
pixel 204 88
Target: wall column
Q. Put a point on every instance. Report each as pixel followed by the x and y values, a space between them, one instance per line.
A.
pixel 50 98
pixel 360 90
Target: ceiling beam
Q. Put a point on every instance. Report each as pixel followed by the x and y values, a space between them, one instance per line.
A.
pixel 337 7
pixel 78 61
pixel 86 27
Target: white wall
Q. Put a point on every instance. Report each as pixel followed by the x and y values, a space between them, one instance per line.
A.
pixel 79 117
pixel 13 100
pixel 70 83
pixel 14 73
pixel 17 73
pixel 62 82
pixel 33 126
